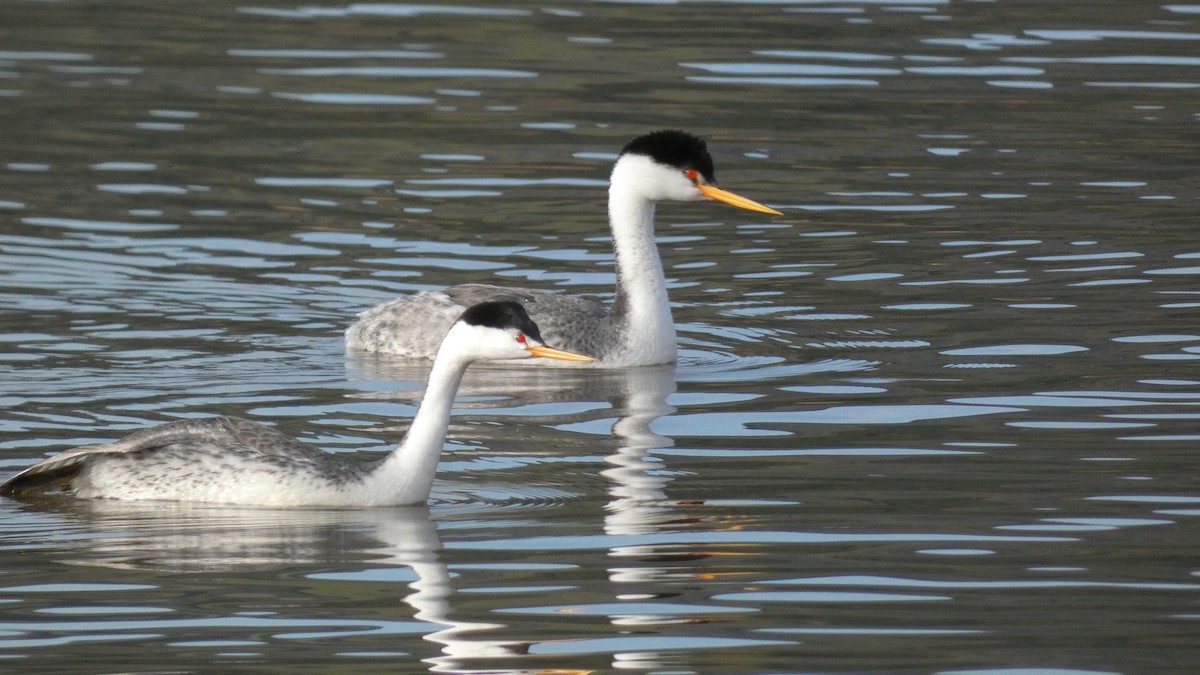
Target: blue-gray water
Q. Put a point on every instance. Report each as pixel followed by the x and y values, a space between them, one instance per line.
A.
pixel 942 416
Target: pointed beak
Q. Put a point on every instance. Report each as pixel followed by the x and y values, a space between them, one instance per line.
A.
pixel 714 192
pixel 552 353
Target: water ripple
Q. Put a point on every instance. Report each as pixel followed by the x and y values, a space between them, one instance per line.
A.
pixel 766 423
pixel 397 71
pixel 905 582
pixel 725 537
pixel 396 10
pixel 342 98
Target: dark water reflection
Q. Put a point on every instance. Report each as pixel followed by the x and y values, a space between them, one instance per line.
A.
pixel 941 417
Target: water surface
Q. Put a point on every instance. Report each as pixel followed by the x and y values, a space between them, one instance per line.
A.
pixel 941 416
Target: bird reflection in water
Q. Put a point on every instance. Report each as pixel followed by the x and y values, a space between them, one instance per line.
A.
pixel 256 542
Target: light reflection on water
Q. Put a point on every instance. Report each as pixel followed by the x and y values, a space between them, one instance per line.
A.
pixel 939 417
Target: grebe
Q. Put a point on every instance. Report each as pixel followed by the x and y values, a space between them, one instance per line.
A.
pixel 637 329
pixel 235 461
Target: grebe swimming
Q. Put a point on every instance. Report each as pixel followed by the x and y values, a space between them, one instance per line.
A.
pixel 637 329
pixel 235 461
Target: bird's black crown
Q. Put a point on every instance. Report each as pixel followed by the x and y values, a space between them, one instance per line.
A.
pixel 502 314
pixel 674 148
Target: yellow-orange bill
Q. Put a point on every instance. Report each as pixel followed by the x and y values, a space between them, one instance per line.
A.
pixel 552 353
pixel 713 192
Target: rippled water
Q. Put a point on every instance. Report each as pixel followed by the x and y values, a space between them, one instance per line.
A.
pixel 941 417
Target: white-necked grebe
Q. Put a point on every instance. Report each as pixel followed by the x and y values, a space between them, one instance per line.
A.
pixel 637 328
pixel 235 461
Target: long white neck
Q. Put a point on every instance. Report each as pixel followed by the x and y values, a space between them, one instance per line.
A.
pixel 641 286
pixel 406 475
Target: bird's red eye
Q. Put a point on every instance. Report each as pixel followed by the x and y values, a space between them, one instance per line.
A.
pixel 692 175
pixel 521 338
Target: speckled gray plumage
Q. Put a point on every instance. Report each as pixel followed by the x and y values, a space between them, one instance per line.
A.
pixel 567 322
pixel 200 450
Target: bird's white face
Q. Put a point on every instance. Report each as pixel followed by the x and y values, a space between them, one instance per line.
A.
pixel 484 343
pixel 655 181
pixel 658 182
